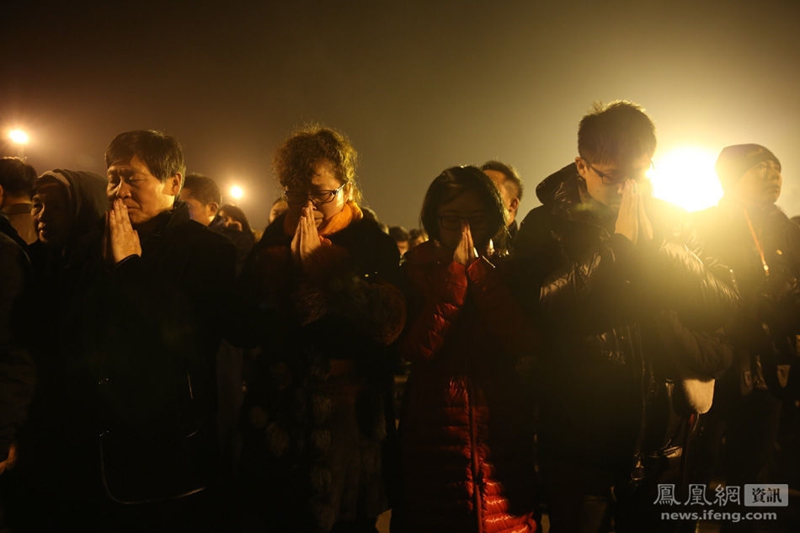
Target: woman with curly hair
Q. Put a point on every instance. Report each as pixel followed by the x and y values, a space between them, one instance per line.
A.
pixel 323 312
pixel 466 429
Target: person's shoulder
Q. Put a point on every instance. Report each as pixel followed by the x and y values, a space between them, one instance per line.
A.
pixel 426 253
pixel 364 233
pixel 368 226
pixel 539 219
pixel 195 235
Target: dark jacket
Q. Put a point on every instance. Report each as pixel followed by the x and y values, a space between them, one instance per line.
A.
pixel 606 306
pixel 764 331
pixel 242 240
pixel 125 407
pixel 466 431
pixel 64 403
pixel 318 421
pixel 17 375
pixel 152 327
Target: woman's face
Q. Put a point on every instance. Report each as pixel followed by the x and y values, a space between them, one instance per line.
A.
pixel 326 192
pixel 467 207
pixel 52 213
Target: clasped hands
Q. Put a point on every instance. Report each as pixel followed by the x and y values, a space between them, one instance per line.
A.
pixel 306 238
pixel 632 220
pixel 121 240
pixel 466 253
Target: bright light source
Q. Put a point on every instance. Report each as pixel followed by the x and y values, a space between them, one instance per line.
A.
pixel 237 192
pixel 18 136
pixel 685 177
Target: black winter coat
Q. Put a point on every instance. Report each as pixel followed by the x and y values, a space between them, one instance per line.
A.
pixel 318 428
pixel 623 322
pixel 153 327
pixel 764 331
pixel 17 376
pixel 129 368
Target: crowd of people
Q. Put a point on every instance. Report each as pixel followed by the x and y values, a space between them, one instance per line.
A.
pixel 163 367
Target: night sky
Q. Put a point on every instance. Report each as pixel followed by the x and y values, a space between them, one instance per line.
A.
pixel 417 86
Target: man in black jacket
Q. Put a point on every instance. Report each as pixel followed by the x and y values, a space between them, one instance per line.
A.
pixel 627 300
pixel 156 327
pixel 17 375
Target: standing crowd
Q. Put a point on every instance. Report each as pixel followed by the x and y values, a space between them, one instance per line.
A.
pixel 161 369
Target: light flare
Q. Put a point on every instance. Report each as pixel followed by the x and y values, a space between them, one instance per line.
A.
pixel 236 192
pixel 685 177
pixel 18 136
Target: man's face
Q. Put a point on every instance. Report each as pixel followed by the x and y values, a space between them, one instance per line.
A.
pixel 506 188
pixel 761 185
pixel 605 181
pixel 402 247
pixel 143 194
pixel 198 211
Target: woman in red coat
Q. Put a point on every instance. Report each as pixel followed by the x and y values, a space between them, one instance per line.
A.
pixel 466 431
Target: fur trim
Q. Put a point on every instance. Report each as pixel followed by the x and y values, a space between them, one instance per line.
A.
pixel 258 418
pixel 324 515
pixel 310 303
pixel 281 375
pixel 321 440
pixel 320 479
pixel 321 406
pixel 277 439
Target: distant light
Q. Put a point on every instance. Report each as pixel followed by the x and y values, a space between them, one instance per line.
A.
pixel 685 177
pixel 18 136
pixel 237 192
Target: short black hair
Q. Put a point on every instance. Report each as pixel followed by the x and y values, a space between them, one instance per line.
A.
pixel 617 131
pixel 161 153
pixel 508 171
pixel 398 233
pixel 204 189
pixel 17 177
pixel 453 182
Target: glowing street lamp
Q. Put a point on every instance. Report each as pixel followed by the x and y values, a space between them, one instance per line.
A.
pixel 236 192
pixel 20 138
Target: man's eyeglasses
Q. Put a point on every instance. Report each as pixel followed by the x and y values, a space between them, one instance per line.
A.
pixel 453 222
pixel 635 175
pixel 317 197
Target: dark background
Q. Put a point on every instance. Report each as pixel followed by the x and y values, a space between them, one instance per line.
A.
pixel 417 86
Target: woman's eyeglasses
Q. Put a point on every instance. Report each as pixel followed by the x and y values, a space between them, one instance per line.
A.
pixel 453 222
pixel 316 197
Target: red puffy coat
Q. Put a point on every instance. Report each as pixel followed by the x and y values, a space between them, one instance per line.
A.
pixel 466 431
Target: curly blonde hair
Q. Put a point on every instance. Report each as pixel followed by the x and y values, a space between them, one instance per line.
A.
pixel 294 161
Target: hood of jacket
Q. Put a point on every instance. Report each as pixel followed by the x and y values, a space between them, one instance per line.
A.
pixel 88 199
pixel 564 193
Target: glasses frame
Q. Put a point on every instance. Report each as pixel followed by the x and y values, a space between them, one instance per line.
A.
pixel 480 225
pixel 612 180
pixel 333 193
